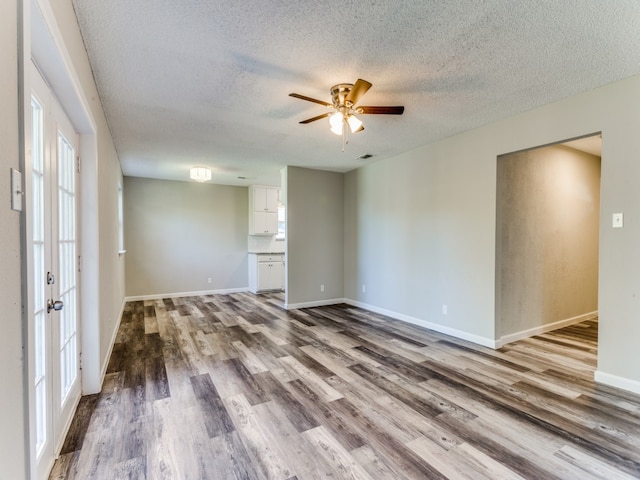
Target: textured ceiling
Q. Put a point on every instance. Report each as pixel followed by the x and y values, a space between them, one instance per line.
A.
pixel 186 82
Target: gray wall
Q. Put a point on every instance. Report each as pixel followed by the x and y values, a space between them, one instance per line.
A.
pixel 423 224
pixel 420 235
pixel 315 235
pixel 13 452
pixel 548 208
pixel 179 234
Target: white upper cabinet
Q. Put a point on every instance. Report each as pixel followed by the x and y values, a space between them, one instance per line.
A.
pixel 263 210
pixel 265 199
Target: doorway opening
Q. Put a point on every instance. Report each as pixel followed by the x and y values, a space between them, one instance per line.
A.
pixel 547 237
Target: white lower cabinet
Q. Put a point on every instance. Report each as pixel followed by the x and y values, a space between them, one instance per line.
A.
pixel 266 272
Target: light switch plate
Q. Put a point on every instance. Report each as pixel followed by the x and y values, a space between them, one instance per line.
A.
pixel 617 220
pixel 16 190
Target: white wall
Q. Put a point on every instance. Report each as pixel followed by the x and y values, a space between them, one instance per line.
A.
pixel 13 451
pixel 110 264
pixel 422 225
pixel 180 234
pixel 315 234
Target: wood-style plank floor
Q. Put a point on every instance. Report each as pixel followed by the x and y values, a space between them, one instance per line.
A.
pixel 235 387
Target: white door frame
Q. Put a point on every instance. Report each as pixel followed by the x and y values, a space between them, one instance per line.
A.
pixel 43 41
pixel 57 404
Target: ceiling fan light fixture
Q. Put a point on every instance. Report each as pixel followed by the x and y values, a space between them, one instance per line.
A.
pixel 200 174
pixel 336 120
pixel 355 124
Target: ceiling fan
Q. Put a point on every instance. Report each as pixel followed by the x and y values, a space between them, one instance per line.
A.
pixel 343 109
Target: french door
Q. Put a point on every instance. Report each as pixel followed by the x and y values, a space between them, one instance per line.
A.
pixel 53 273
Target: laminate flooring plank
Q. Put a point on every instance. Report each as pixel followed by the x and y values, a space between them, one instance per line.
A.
pixel 499 453
pixel 548 358
pixel 318 368
pixel 65 467
pixel 79 424
pixel 267 348
pixel 520 438
pixel 487 357
pixel 333 360
pixel 232 460
pixel 213 412
pixel 131 443
pixel 271 335
pixel 375 409
pixel 441 461
pixel 579 358
pixel 292 445
pixel 132 469
pixel 323 411
pixel 265 457
pixel 221 344
pixel 395 390
pixel 614 450
pixel 235 386
pixel 425 426
pixel 344 465
pixel 249 359
pixel 251 388
pixel 376 465
pixel 168 304
pixel 395 346
pixel 178 444
pixel 591 466
pixel 388 446
pixel 437 401
pixel 300 417
pixel 623 411
pixel 317 384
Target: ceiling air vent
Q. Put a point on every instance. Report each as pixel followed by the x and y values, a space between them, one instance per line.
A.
pixel 365 156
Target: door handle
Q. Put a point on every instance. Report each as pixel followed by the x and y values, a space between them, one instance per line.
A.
pixel 57 305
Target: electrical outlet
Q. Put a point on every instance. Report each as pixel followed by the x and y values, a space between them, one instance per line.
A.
pixel 209 280
pixel 322 288
pixel 364 289
pixel 444 309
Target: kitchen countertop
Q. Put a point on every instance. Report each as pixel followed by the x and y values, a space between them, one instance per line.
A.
pixel 267 253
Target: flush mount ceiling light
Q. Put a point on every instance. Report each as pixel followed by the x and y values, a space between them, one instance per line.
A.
pixel 200 174
pixel 342 117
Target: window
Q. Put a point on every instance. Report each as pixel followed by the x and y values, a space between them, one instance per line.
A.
pixel 281 222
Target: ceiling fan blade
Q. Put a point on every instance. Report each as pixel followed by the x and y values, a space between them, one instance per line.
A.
pixel 359 89
pixel 309 99
pixel 381 110
pixel 309 120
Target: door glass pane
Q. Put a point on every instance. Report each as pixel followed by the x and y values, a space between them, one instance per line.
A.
pixel 67 264
pixel 39 281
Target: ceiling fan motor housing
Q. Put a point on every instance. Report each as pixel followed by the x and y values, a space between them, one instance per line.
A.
pixel 339 94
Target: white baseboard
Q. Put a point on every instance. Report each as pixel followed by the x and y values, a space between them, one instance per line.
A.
pixel 186 294
pixel 316 303
pixel 485 342
pixel 512 337
pixel 105 361
pixel 632 386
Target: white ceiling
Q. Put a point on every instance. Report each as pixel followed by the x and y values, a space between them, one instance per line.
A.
pixel 206 82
